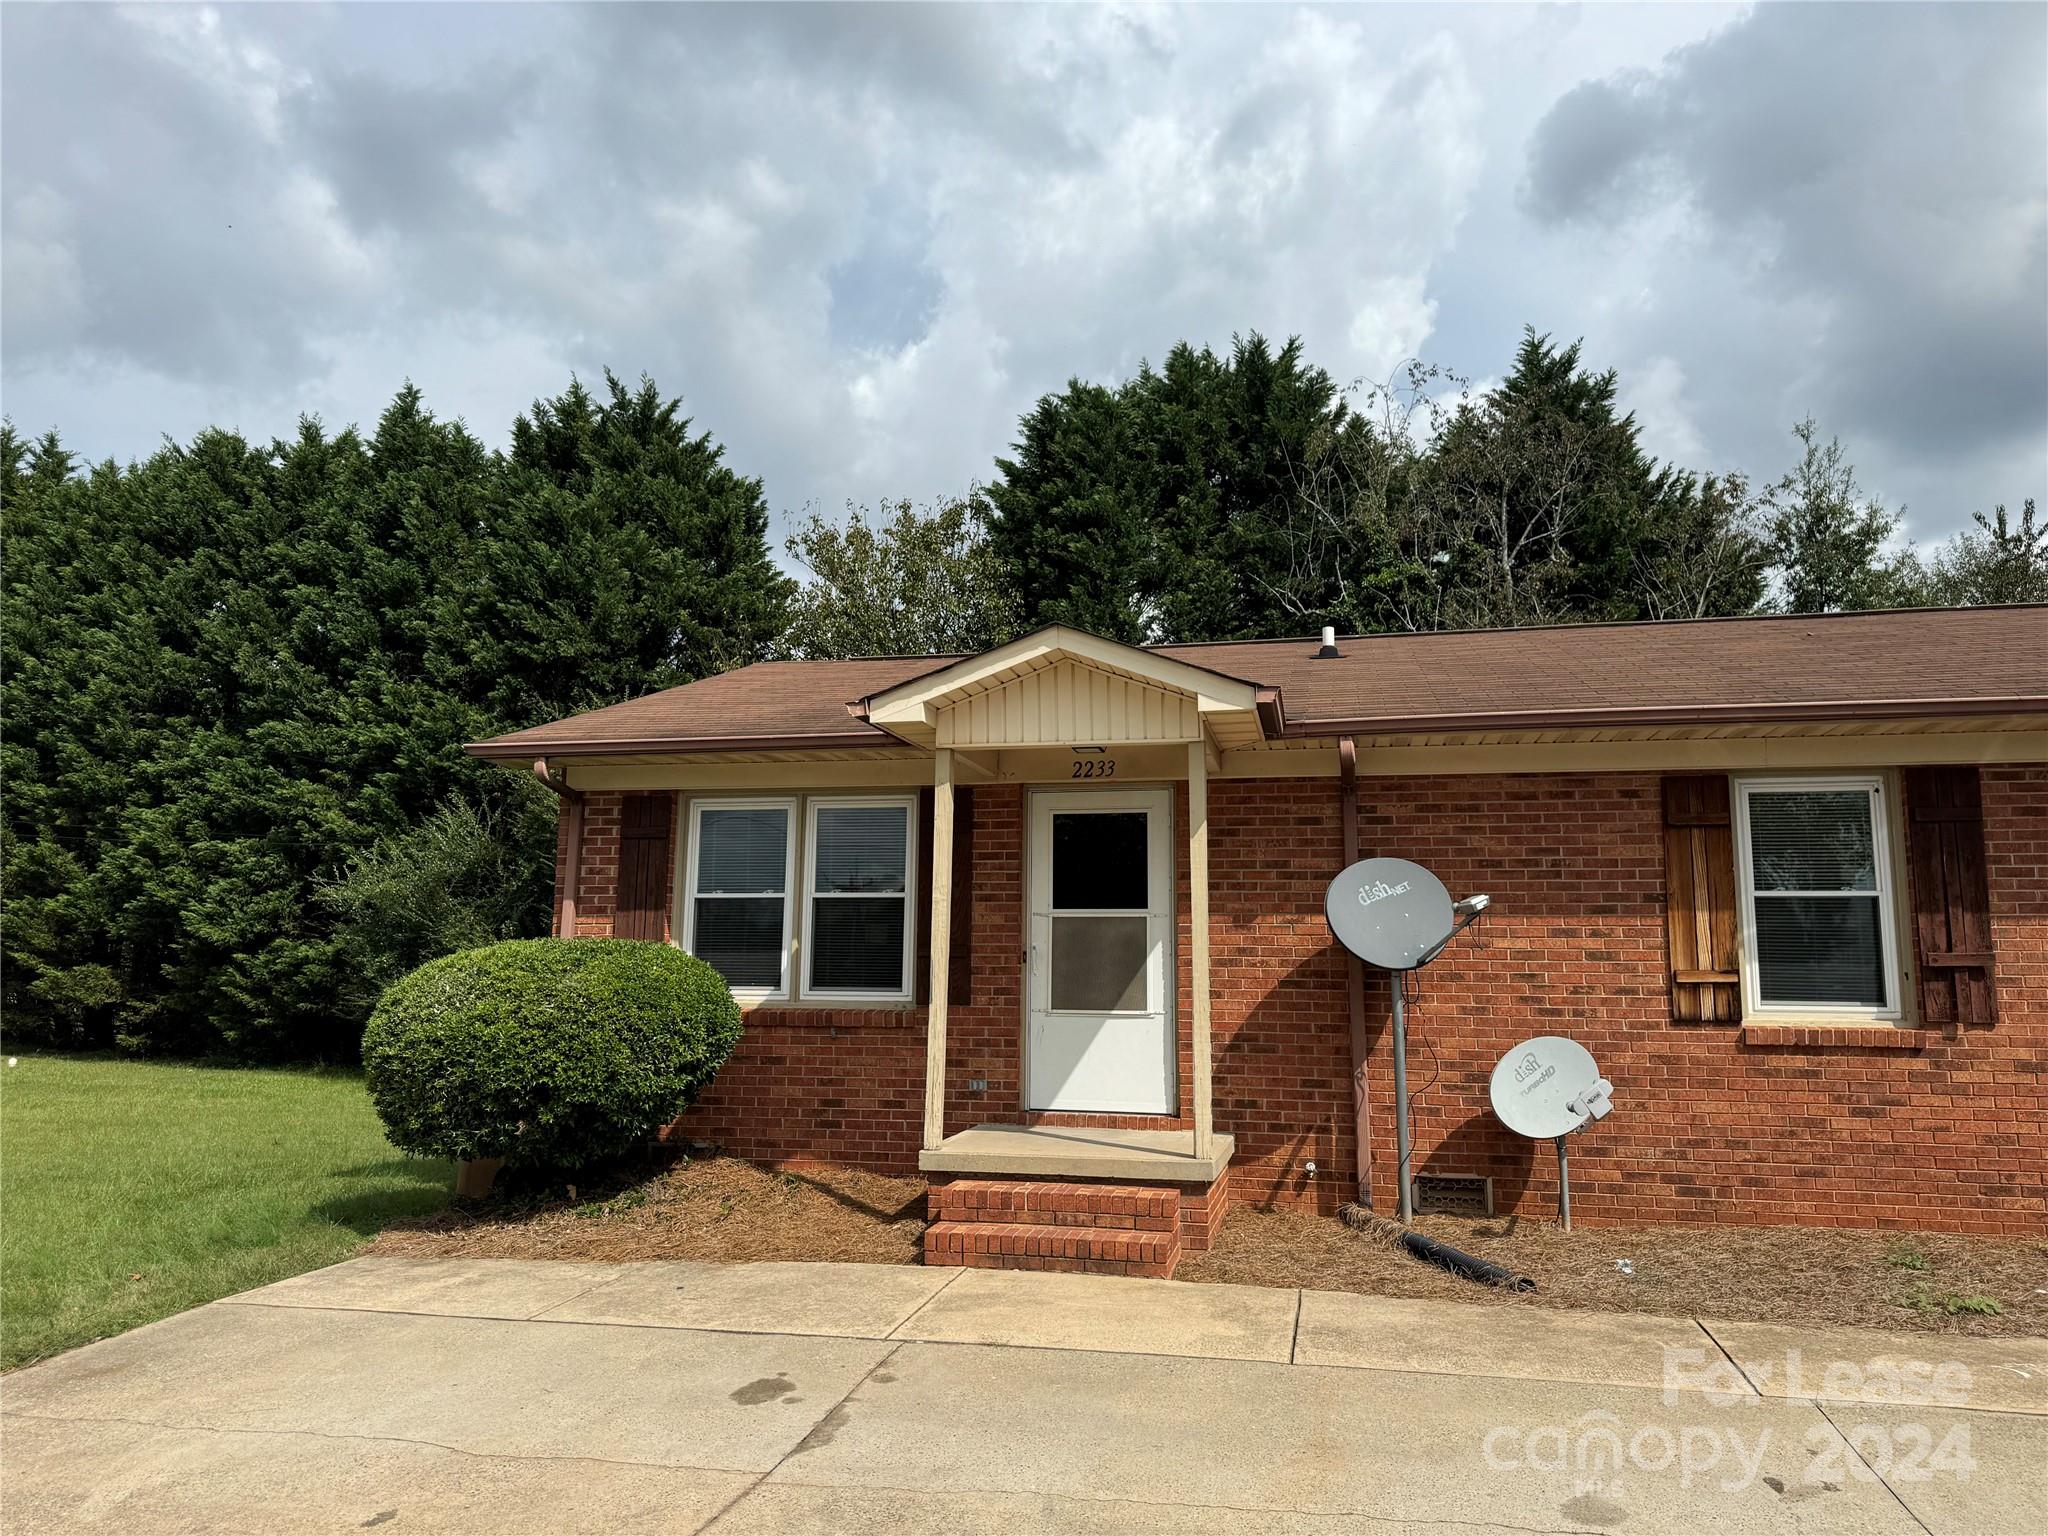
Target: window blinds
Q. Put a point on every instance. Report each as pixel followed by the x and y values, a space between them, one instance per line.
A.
pixel 860 898
pixel 1817 902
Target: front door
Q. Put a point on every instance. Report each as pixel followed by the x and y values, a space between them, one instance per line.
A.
pixel 1100 1031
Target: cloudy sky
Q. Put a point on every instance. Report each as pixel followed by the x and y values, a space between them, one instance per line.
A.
pixel 860 241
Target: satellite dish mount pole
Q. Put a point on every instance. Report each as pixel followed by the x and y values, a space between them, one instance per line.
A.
pixel 1405 1149
pixel 1564 1184
pixel 1397 916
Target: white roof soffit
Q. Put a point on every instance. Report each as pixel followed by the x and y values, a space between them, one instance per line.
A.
pixel 1225 708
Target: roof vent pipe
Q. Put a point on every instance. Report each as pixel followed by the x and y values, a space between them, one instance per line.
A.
pixel 1329 643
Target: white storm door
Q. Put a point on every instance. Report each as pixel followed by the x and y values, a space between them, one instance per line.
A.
pixel 1100 1031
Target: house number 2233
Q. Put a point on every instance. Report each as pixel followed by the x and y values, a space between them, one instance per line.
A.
pixel 1095 768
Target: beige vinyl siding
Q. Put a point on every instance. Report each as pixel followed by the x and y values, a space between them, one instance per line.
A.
pixel 1069 704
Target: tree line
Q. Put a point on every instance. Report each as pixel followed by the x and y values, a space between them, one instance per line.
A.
pixel 238 675
pixel 1246 495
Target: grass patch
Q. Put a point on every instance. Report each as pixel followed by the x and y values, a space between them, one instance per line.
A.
pixel 133 1190
pixel 1928 1301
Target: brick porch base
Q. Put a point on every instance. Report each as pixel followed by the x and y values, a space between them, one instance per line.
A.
pixel 1088 1226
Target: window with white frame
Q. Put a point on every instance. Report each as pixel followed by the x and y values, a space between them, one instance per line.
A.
pixel 738 896
pixel 1815 868
pixel 858 924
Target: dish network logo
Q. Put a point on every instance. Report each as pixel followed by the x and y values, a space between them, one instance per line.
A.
pixel 1379 890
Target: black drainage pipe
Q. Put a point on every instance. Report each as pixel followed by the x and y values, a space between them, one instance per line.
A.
pixel 1465 1265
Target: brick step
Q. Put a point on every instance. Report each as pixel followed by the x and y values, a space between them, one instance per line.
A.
pixel 1019 1202
pixel 1035 1245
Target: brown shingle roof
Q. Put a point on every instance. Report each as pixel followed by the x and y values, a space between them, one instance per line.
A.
pixel 772 703
pixel 1921 661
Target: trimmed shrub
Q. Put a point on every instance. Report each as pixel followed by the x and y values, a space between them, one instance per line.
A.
pixel 549 1053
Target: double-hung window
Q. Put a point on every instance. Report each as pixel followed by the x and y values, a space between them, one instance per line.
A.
pixel 742 855
pixel 858 923
pixel 1819 934
pixel 855 930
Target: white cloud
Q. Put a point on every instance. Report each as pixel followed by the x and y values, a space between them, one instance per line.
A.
pixel 861 242
pixel 1656 393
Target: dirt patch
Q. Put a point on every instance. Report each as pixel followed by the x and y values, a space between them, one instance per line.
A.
pixel 1892 1280
pixel 720 1208
pixel 708 1208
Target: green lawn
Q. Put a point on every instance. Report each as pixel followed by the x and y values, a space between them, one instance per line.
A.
pixel 130 1190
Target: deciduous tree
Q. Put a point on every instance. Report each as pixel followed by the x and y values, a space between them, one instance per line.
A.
pixel 900 582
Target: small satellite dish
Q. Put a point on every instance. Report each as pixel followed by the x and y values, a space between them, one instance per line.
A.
pixel 1542 1087
pixel 1547 1088
pixel 1389 912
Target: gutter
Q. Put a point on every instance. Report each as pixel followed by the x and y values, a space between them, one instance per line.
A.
pixel 572 854
pixel 511 749
pixel 1679 714
pixel 1361 1046
pixel 1275 725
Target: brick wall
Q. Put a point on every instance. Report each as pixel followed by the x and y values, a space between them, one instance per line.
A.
pixel 597 881
pixel 1709 1125
pixel 847 1084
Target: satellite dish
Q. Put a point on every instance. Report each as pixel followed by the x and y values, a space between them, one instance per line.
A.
pixel 1549 1087
pixel 1389 912
pixel 1544 1087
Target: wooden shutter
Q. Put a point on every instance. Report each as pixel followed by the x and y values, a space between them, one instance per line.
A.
pixel 921 983
pixel 1951 896
pixel 1699 890
pixel 960 966
pixel 960 971
pixel 643 865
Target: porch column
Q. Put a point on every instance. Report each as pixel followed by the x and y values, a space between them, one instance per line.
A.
pixel 941 948
pixel 1198 935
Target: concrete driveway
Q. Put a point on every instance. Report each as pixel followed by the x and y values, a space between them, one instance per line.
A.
pixel 504 1395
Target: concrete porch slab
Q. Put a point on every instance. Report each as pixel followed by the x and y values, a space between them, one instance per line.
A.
pixel 1103 1312
pixel 508 1288
pixel 1530 1343
pixel 1078 1152
pixel 1854 1365
pixel 861 1301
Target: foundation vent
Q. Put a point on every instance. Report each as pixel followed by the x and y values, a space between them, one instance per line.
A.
pixel 1454 1195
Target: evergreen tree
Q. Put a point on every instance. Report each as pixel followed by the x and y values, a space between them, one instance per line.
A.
pixel 1227 448
pixel 1069 526
pixel 622 555
pixel 234 671
pixel 1171 508
pixel 1538 503
pixel 1828 541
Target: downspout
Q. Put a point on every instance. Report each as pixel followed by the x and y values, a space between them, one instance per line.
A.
pixel 1361 1097
pixel 572 854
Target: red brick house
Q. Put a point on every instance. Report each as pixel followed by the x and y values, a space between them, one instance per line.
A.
pixel 1046 923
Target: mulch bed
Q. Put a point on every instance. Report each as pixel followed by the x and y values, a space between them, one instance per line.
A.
pixel 720 1208
pixel 706 1208
pixel 1855 1278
